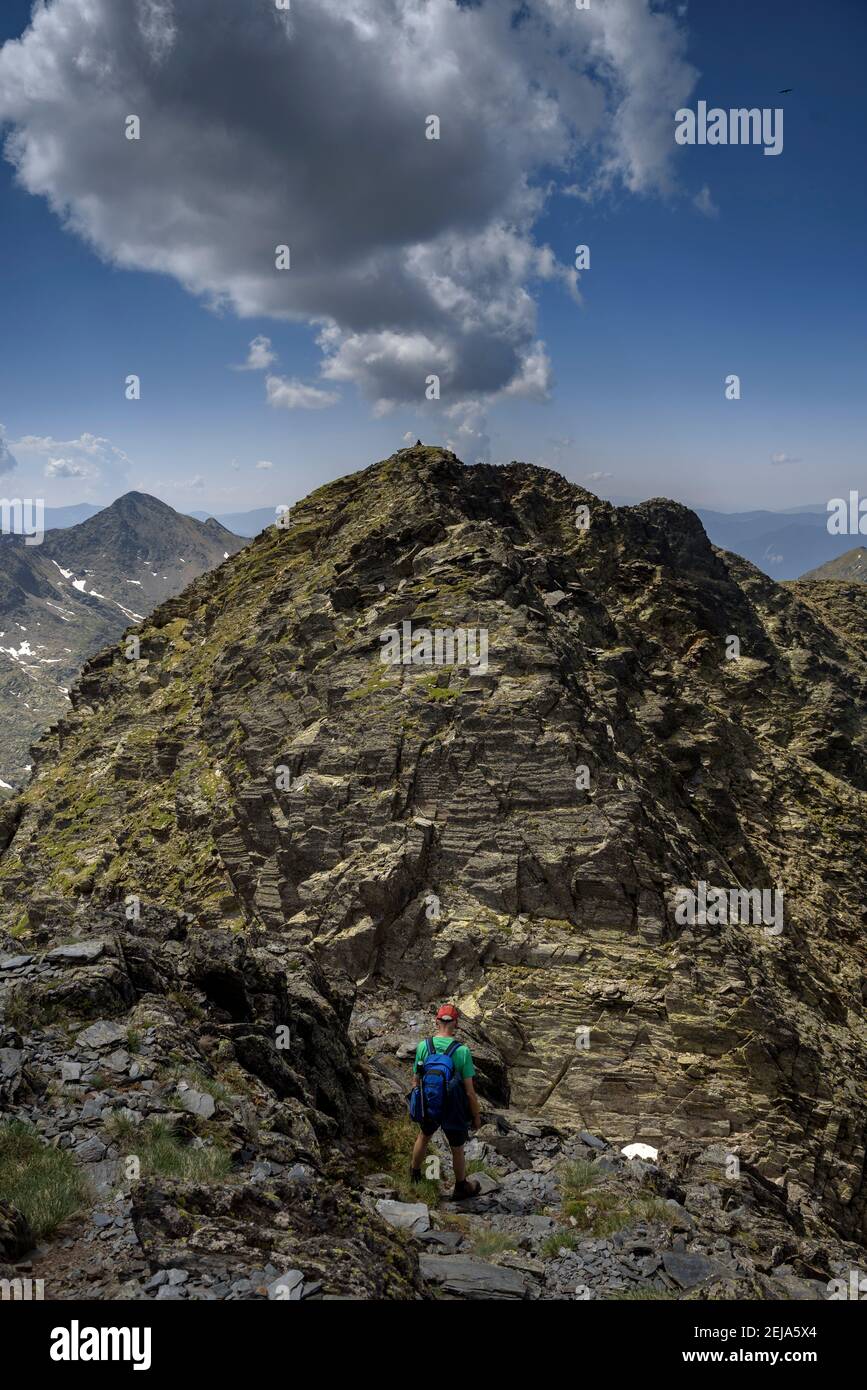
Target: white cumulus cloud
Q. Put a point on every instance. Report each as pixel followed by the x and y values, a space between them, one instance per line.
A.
pixel 421 257
pixel 67 468
pixel 89 457
pixel 295 395
pixel 259 356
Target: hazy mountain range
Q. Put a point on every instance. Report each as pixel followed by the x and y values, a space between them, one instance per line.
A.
pixel 782 544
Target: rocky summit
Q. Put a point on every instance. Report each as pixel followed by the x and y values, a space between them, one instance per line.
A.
pixel 62 600
pixel 462 733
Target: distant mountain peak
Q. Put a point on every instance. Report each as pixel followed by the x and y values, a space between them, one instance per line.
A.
pixel 77 592
pixel 850 566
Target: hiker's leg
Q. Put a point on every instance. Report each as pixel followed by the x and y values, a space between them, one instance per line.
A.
pixel 460 1164
pixel 419 1149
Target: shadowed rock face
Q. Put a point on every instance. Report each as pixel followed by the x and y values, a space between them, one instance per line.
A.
pixel 430 837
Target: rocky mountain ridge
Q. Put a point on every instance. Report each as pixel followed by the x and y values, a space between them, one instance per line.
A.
pixel 261 787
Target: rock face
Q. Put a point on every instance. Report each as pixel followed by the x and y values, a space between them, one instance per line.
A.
pixel 274 817
pixel 63 600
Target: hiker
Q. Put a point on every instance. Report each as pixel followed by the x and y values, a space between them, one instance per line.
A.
pixel 443 1095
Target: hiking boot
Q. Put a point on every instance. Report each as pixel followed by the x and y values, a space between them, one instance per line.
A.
pixel 466 1189
pixel 415 1175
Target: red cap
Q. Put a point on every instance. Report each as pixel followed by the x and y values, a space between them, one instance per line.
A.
pixel 448 1011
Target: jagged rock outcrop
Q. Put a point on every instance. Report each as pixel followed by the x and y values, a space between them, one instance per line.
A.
pixel 319 816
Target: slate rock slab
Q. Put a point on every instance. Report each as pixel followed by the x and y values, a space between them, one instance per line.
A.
pixel 449 1240
pixel 287 1287
pixel 197 1102
pixel 10 1061
pixel 406 1216
pixel 591 1140
pixel 466 1278
pixel 79 953
pixel 102 1034
pixel 689 1270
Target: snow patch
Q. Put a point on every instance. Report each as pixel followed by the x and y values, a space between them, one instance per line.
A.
pixel 640 1151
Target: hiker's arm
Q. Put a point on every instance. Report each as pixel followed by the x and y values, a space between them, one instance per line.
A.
pixel 473 1101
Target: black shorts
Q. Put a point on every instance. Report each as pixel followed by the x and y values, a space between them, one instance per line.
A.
pixel 456 1137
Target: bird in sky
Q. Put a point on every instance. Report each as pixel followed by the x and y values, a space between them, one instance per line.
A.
pixel 784 90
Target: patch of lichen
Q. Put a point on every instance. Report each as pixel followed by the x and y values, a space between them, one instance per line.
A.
pixel 375 684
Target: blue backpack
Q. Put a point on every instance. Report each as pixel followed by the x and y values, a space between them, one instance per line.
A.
pixel 438 1097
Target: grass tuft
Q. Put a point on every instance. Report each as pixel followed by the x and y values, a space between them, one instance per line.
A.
pixel 391 1153
pixel 45 1184
pixel 162 1154
pixel 492 1242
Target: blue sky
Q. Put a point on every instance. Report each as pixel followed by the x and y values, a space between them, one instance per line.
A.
pixel 767 282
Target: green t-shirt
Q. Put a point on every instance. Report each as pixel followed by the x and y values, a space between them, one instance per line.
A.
pixel 463 1058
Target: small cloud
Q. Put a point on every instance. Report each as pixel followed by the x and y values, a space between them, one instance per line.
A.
pixel 597 477
pixel 259 356
pixel 291 394
pixel 407 438
pixel 705 203
pixel 90 456
pixel 574 190
pixel 67 468
pixel 264 463
pixel 782 458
